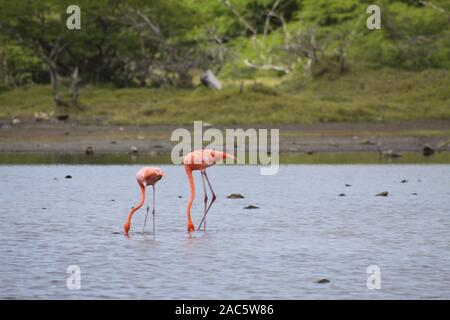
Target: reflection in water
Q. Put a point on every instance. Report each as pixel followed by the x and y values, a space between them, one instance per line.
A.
pixel 285 158
pixel 302 232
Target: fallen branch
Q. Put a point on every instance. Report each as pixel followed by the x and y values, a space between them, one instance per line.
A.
pixel 267 67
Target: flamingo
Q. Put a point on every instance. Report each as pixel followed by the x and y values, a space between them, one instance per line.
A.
pixel 147 176
pixel 200 160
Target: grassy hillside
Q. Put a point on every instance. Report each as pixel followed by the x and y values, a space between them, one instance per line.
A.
pixel 373 95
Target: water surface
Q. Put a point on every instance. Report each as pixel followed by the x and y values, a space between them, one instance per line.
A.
pixel 303 231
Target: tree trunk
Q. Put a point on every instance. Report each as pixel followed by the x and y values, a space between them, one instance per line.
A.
pixel 75 88
pixel 50 59
pixel 54 83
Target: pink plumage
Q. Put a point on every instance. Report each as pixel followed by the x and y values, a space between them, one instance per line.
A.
pixel 147 176
pixel 200 160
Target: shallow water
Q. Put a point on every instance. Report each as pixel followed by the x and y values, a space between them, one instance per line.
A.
pixel 302 232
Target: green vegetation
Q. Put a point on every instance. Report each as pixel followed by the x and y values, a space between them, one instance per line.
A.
pixel 281 61
pixel 374 95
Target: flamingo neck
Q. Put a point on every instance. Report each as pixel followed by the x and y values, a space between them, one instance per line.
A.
pixel 139 205
pixel 192 191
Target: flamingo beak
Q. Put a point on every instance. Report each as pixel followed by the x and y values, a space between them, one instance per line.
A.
pixel 227 155
pixel 126 228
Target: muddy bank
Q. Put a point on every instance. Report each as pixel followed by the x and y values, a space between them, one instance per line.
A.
pixel 322 137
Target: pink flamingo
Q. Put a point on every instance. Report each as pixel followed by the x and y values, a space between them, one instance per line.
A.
pixel 147 176
pixel 200 160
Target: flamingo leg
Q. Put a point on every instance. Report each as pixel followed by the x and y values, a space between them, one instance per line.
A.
pixel 145 220
pixel 205 201
pixel 153 211
pixel 212 200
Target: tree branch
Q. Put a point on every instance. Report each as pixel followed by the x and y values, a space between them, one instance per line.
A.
pixel 244 22
pixel 270 14
pixel 267 66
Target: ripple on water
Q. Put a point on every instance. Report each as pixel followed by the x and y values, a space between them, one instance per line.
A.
pixel 301 233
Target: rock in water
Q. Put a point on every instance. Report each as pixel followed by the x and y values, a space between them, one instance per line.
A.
pixel 342 195
pixel 68 177
pixel 427 151
pixel 382 194
pixel 208 79
pixel 235 196
pixel 323 281
pixel 404 181
pixel 251 207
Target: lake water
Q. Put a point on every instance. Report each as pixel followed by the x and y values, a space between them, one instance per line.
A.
pixel 303 231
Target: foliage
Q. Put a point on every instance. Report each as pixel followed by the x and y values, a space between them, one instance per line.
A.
pixel 116 46
pixel 376 95
pixel 19 66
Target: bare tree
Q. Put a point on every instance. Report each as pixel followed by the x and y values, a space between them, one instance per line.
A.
pixel 268 59
pixel 50 51
pixel 300 50
pixel 435 7
pixel 50 57
pixel 164 61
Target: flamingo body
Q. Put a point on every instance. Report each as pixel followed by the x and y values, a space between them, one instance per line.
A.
pixel 200 160
pixel 147 176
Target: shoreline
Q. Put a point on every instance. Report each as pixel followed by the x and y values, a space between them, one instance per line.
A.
pixel 72 138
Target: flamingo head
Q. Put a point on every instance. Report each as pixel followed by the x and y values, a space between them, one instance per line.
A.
pixel 126 227
pixel 220 156
pixel 160 173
